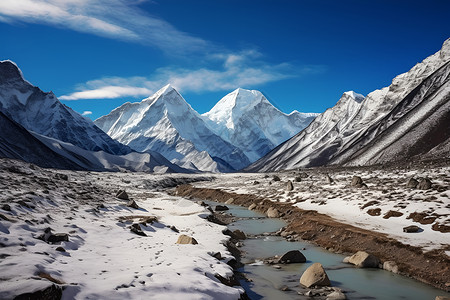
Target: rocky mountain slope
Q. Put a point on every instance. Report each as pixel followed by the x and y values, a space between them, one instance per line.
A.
pixel 167 124
pixel 396 123
pixel 43 113
pixel 246 119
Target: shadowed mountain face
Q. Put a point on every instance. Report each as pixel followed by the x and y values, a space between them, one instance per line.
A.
pixel 43 113
pixel 409 119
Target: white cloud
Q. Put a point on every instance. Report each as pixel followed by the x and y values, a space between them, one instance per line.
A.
pixel 236 70
pixel 86 113
pixel 118 19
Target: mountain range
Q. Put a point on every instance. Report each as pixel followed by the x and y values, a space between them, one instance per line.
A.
pixel 406 121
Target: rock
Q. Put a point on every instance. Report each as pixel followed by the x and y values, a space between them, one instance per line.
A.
pixel 184 239
pixel 315 275
pixel 203 203
pixel 52 292
pixel 276 178
pixel 329 179
pixel 390 266
pixel 60 249
pixel 256 182
pixel 6 207
pixel 58 237
pixel 292 257
pixel 442 298
pixel 229 201
pixel 363 259
pixel 289 186
pixel 411 229
pixel 136 228
pixel 298 179
pixel 412 183
pixel 357 181
pixel 336 295
pixel 173 228
pixel 217 255
pixel 132 204
pixel 24 204
pixel 374 211
pixel 284 288
pixel 424 184
pixel 239 235
pixel 221 208
pixel 252 206
pixel 61 176
pixel 122 194
pixel 273 213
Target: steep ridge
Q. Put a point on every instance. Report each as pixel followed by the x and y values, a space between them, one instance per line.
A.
pixel 246 119
pixel 43 113
pixel 336 135
pixel 167 124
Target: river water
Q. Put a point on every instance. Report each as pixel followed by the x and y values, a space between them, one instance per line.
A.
pixel 266 281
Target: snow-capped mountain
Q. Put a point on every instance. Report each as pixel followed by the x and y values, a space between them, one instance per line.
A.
pixel 406 119
pixel 167 124
pixel 43 113
pixel 246 119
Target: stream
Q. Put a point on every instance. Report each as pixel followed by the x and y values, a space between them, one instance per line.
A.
pixel 266 281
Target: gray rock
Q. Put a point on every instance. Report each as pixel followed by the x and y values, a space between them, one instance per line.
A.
pixel 412 183
pixel 122 194
pixel 336 295
pixel 292 257
pixel 363 259
pixel 132 204
pixel 315 275
pixel 221 208
pixel 424 184
pixel 357 181
pixel 289 186
pixel 273 213
pixel 390 266
pixel 184 239
pixel 411 229
pixel 238 234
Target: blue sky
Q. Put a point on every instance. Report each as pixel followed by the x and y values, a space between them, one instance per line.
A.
pixel 97 54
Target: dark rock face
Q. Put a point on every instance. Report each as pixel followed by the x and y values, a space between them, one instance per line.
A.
pixel 136 228
pixel 412 183
pixel 292 257
pixel 58 237
pixel 424 184
pixel 221 208
pixel 122 194
pixel 132 204
pixel 411 229
pixel 53 292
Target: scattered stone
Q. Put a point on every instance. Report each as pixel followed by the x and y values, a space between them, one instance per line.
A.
pixel 239 235
pixel 289 186
pixel 203 203
pixel 292 257
pixel 132 204
pixel 24 204
pixel 356 181
pixel 61 176
pixel 390 266
pixel 122 194
pixel 411 229
pixel 392 213
pixel 370 203
pixel 298 179
pixel 421 217
pixel 412 183
pixel 256 182
pixel 363 259
pixel 374 211
pixel 273 213
pixel 184 239
pixel 58 237
pixel 6 207
pixel 284 288
pixel 424 184
pixel 52 292
pixel 60 249
pixel 252 206
pixel 440 227
pixel 315 275
pixel 217 255
pixel 336 295
pixel 276 178
pixel 173 228
pixel 442 298
pixel 229 201
pixel 221 208
pixel 136 228
pixel 329 179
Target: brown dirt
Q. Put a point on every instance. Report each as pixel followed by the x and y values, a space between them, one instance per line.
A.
pixel 392 213
pixel 422 218
pixel 431 267
pixel 374 211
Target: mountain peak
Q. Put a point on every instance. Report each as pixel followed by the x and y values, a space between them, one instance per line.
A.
pixel 9 71
pixel 357 97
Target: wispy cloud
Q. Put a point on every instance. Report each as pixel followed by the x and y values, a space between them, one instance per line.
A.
pixel 86 113
pixel 117 19
pixel 237 70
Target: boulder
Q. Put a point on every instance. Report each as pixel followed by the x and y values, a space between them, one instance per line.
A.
pixel 390 266
pixel 221 208
pixel 132 204
pixel 292 257
pixel 273 213
pixel 424 184
pixel 229 201
pixel 336 295
pixel 411 229
pixel 329 179
pixel 122 194
pixel 357 181
pixel 289 186
pixel 6 207
pixel 136 228
pixel 315 275
pixel 184 239
pixel 252 206
pixel 239 235
pixel 412 183
pixel 442 298
pixel 58 237
pixel 60 249
pixel 363 259
pixel 276 178
pixel 52 292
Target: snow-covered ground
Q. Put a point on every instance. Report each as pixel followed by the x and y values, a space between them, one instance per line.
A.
pixel 347 204
pixel 103 259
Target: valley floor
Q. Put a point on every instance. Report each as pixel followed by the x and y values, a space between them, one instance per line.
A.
pixel 103 259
